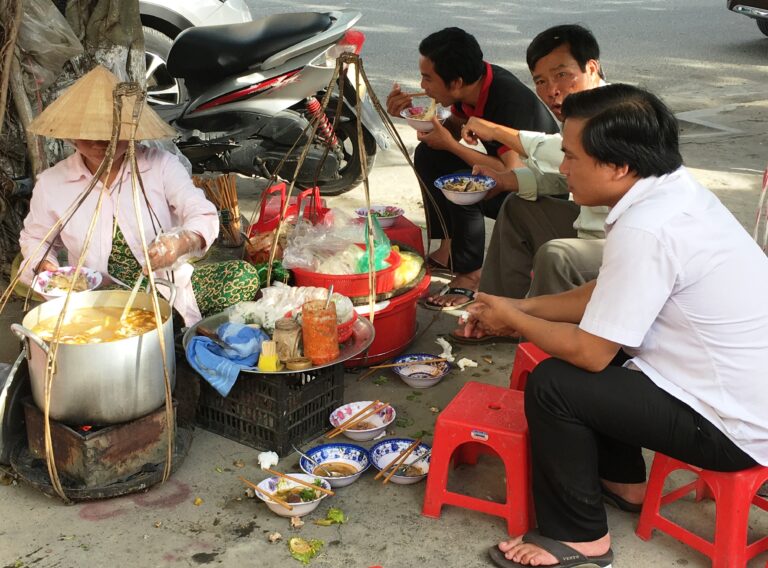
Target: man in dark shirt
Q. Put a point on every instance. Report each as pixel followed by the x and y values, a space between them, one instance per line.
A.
pixel 454 74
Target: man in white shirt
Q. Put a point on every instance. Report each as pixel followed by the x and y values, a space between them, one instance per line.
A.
pixel 680 290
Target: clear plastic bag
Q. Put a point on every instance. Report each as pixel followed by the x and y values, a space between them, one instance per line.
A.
pixel 310 245
pixel 46 41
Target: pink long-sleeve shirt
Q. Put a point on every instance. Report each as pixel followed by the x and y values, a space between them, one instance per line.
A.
pixel 174 199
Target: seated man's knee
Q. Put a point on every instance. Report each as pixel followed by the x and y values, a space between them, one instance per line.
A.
pixel 554 253
pixel 543 383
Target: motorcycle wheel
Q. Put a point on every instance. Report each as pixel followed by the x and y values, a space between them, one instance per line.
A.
pixel 162 89
pixel 351 171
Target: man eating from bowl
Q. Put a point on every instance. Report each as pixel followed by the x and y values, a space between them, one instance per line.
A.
pixel 556 239
pixel 454 74
pixel 693 388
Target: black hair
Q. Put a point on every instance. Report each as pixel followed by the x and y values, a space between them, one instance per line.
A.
pixel 628 126
pixel 580 41
pixel 455 55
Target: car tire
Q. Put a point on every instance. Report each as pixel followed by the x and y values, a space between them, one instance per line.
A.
pixel 162 89
pixel 762 25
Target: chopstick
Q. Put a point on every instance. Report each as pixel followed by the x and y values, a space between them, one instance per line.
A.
pixel 132 297
pixel 409 363
pixel 395 464
pixel 419 94
pixel 266 494
pixel 341 427
pixel 349 423
pixel 299 481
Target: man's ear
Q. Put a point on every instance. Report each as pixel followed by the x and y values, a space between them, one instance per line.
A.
pixel 620 172
pixel 456 84
pixel 592 67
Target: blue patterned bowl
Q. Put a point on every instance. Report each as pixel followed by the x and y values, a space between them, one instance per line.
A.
pixel 388 450
pixel 350 454
pixel 446 184
pixel 421 376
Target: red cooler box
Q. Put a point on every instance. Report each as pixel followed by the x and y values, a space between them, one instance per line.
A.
pixel 395 325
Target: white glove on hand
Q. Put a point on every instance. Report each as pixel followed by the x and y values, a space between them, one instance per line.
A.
pixel 171 249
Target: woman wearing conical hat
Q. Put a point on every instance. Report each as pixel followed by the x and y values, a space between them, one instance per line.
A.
pixel 178 220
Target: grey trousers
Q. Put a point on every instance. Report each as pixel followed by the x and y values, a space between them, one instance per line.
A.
pixel 538 236
pixel 521 228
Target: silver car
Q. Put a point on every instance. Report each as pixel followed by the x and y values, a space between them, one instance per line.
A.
pixel 162 21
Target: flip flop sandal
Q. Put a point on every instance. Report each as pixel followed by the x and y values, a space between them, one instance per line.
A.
pixel 485 340
pixel 620 503
pixel 451 291
pixel 436 266
pixel 566 556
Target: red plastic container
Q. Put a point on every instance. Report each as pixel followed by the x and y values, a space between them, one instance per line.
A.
pixel 272 205
pixel 395 326
pixel 350 284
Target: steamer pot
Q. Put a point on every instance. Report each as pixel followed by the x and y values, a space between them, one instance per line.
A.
pixel 101 383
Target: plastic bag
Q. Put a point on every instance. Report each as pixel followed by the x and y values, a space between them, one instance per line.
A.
pixel 308 246
pixel 47 42
pixel 381 248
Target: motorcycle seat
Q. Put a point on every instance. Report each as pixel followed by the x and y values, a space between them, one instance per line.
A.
pixel 212 52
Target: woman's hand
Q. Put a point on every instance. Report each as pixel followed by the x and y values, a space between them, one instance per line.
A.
pixel 47 265
pixel 173 248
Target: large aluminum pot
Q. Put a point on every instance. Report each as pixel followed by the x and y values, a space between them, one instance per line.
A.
pixel 101 383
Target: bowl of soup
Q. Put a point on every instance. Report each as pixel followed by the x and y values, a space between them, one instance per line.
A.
pixel 465 189
pixel 302 499
pixel 338 464
pixel 414 469
pixel 368 428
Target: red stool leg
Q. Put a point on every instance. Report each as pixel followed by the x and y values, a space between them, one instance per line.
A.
pixel 732 500
pixel 527 357
pixel 653 494
pixel 437 478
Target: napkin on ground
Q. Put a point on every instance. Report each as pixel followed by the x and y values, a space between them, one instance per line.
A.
pixel 219 366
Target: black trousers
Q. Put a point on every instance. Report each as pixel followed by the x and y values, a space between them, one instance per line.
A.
pixel 465 224
pixel 585 426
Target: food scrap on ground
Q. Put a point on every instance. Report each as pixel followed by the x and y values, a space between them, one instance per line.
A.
pixel 464 363
pixel 334 516
pixel 303 550
pixel 274 537
pixel 268 460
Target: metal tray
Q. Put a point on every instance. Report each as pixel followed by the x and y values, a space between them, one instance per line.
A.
pixel 363 334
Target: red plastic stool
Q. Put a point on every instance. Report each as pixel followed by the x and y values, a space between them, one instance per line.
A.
pixel 482 417
pixel 527 357
pixel 733 493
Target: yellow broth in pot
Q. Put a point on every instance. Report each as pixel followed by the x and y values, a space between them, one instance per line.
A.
pixel 97 325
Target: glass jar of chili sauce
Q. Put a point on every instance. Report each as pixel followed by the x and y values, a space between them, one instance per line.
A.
pixel 319 331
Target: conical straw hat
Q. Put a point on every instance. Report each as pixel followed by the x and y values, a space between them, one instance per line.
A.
pixel 84 112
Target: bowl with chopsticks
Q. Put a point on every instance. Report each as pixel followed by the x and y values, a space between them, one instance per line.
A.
pixel 412 469
pixel 465 189
pixel 419 371
pixel 299 498
pixel 338 464
pixel 368 420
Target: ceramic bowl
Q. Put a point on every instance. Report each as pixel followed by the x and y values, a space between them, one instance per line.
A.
pixel 421 376
pixel 299 509
pixel 383 453
pixel 355 456
pixel 410 114
pixel 465 197
pixel 41 283
pixel 386 214
pixel 378 422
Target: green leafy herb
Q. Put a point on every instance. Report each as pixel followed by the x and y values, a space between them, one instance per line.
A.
pixel 304 551
pixel 380 380
pixel 307 494
pixel 334 516
pixel 404 422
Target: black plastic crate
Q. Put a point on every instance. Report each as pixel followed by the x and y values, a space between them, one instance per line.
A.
pixel 271 412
